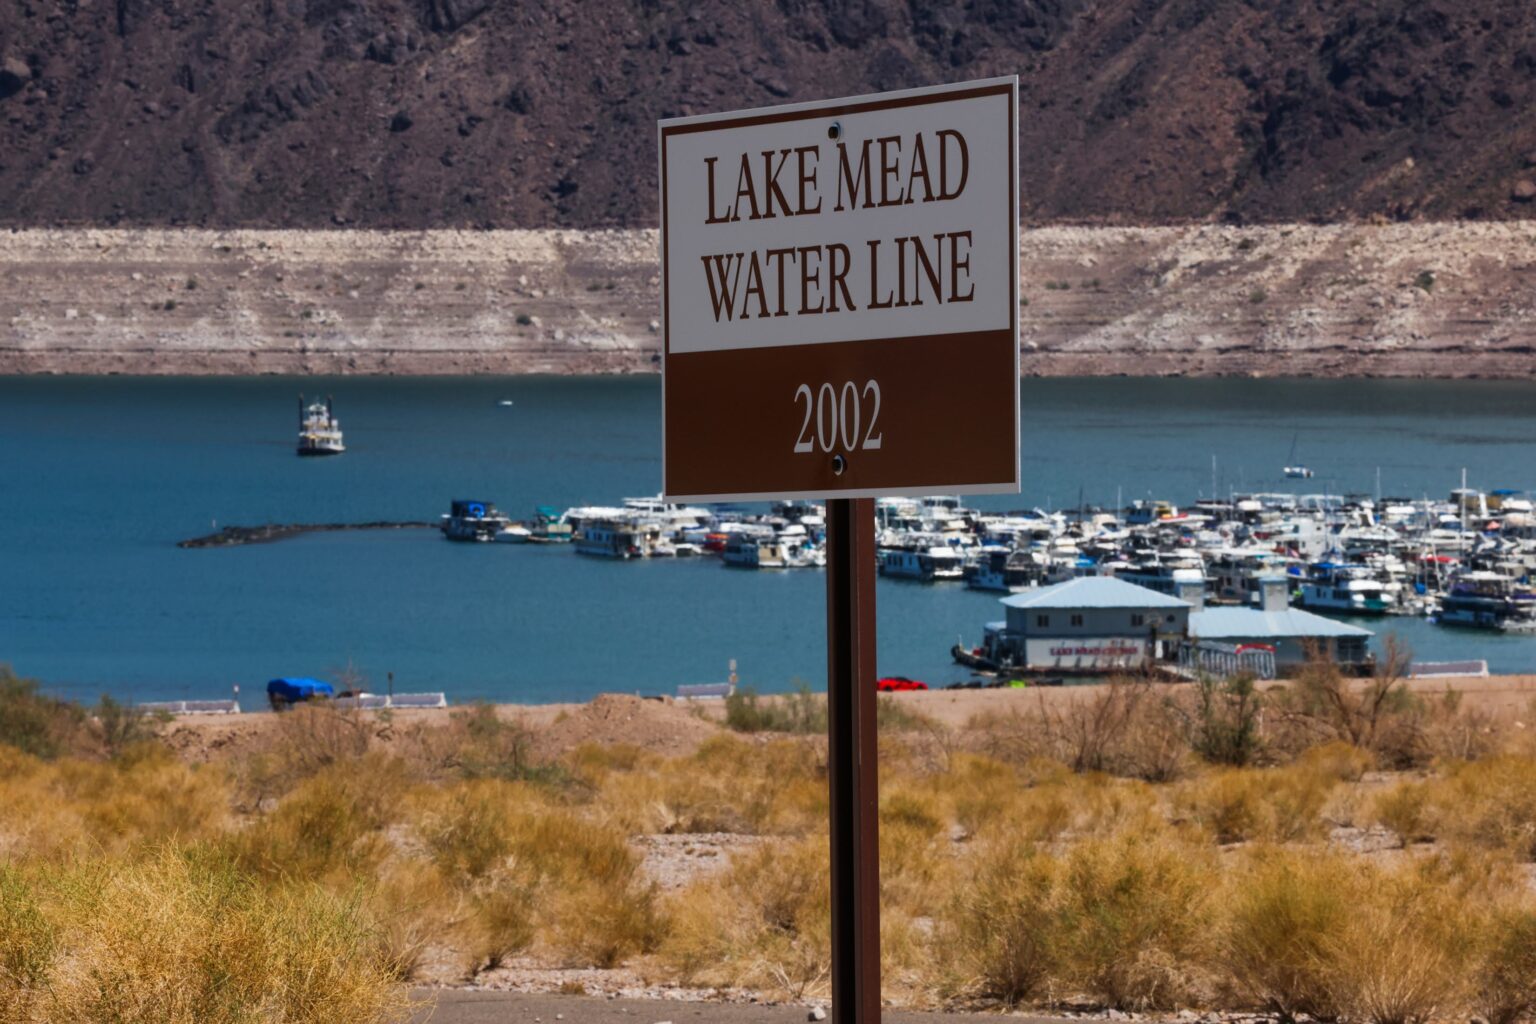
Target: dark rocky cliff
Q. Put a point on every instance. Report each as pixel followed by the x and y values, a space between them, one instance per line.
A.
pixel 505 113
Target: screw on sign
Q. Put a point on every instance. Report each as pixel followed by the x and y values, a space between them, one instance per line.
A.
pixel 839 319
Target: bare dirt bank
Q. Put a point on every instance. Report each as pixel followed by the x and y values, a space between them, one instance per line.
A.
pixel 1399 300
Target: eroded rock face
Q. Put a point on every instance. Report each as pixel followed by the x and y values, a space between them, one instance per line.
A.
pixel 543 114
pixel 1451 300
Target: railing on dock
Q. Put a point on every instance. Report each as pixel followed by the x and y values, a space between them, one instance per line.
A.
pixel 1207 657
pixel 191 707
pixel 1476 669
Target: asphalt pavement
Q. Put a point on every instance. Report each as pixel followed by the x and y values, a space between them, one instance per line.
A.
pixel 478 1006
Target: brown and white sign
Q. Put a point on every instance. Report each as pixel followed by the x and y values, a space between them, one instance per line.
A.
pixel 840 297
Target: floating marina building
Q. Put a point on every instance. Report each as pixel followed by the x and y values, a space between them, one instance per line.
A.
pixel 1094 625
pixel 1088 625
pixel 1290 632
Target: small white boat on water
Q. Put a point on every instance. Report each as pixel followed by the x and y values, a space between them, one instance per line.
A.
pixel 1293 469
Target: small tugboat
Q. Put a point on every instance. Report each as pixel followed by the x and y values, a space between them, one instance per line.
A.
pixel 319 429
pixel 468 519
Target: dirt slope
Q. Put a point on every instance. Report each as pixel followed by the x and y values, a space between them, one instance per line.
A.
pixel 479 113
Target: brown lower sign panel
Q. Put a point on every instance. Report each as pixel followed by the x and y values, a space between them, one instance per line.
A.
pixel 902 413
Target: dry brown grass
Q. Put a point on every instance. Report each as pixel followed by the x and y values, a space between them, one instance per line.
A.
pixel 1086 855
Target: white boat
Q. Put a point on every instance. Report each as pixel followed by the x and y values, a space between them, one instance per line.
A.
pixel 319 429
pixel 1293 469
pixel 514 534
pixel 616 539
pixel 934 562
pixel 1345 589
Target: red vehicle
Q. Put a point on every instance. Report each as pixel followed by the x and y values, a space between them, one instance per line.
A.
pixel 896 684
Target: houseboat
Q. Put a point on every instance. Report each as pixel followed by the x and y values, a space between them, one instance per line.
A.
pixel 468 519
pixel 319 429
pixel 1488 600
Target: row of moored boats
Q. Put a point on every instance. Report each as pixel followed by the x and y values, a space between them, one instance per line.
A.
pixel 1468 560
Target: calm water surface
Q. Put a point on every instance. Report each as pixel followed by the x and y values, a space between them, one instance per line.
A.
pixel 100 477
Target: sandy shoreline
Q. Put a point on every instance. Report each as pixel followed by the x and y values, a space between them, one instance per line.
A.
pixel 199 736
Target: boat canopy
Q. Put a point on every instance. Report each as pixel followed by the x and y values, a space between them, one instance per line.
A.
pixel 295 688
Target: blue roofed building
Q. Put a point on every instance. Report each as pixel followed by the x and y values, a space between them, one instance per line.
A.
pixel 1094 625
pixel 1088 625
pixel 1290 632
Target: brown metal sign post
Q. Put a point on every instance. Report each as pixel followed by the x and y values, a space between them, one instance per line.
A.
pixel 839 299
pixel 852 760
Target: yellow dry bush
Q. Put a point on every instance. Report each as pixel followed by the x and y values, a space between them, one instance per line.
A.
pixel 502 920
pixel 467 827
pixel 1402 956
pixel 1287 911
pixel 187 938
pixel 74 806
pixel 1130 919
pixel 1504 979
pixel 1489 803
pixel 728 785
pixel 1120 918
pixel 1403 810
pixel 980 789
pixel 764 922
pixel 997 934
pixel 1241 804
pixel 1337 760
pixel 28 947
pixel 329 827
pixel 602 923
pixel 413 908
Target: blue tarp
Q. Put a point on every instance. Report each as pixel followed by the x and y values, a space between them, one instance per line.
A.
pixel 296 688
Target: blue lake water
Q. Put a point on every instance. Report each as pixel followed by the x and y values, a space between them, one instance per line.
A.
pixel 99 477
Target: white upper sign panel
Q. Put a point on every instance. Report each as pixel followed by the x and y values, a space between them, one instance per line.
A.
pixel 876 217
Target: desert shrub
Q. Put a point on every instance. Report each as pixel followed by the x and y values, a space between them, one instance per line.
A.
pixel 800 711
pixel 74 806
pixel 1226 720
pixel 1288 911
pixel 1120 918
pixel 187 937
pixel 727 785
pixel 1504 979
pixel 28 947
pixel 997 933
pixel 329 826
pixel 483 745
pixel 1278 804
pixel 1402 956
pixel 1128 726
pixel 1490 803
pixel 1403 810
pixel 598 923
pixel 502 921
pixel 413 907
pixel 468 829
pixel 765 921
pixel 892 715
pixel 1378 714
pixel 120 728
pixel 1131 919
pixel 33 722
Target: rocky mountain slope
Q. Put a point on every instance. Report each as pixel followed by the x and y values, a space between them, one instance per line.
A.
pixel 409 114
pixel 1451 300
